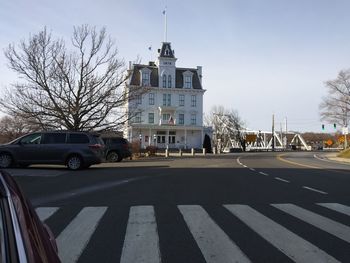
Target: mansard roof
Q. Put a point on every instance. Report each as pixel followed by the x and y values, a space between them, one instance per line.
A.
pixel 166 51
pixel 154 78
pixel 136 75
pixel 196 84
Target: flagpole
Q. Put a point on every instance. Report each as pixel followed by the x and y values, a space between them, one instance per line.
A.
pixel 165 25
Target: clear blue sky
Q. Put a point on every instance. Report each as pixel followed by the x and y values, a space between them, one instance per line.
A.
pixel 258 57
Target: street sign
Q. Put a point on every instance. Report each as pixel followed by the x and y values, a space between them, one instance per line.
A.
pixel 345 130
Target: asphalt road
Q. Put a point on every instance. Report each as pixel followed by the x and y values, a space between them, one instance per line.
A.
pixel 248 207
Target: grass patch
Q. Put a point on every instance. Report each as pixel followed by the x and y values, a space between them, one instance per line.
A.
pixel 345 153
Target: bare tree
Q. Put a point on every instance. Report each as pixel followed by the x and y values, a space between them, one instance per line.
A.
pixel 227 125
pixel 335 107
pixel 14 127
pixel 78 89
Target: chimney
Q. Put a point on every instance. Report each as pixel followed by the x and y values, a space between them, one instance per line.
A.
pixel 199 72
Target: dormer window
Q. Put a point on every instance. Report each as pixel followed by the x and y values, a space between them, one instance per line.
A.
pixel 145 77
pixel 187 77
pixel 188 82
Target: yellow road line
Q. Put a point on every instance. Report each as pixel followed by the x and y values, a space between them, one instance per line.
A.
pixel 279 157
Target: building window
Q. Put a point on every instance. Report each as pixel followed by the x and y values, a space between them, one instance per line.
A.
pixel 161 137
pixel 193 119
pixel 150 117
pixel 151 99
pixel 145 79
pixel 172 136
pixel 193 101
pixel 169 100
pixel 188 82
pixel 166 99
pixel 181 100
pixel 166 116
pixel 137 117
pixel 169 81
pixel 164 81
pixel 138 99
pixel 181 119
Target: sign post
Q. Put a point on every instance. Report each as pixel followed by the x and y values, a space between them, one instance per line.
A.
pixel 345 132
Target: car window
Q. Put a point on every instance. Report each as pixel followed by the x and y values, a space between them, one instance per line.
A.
pixel 99 140
pixel 31 139
pixel 78 138
pixel 116 140
pixel 54 138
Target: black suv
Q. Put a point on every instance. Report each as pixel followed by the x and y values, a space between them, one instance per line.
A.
pixel 75 149
pixel 117 148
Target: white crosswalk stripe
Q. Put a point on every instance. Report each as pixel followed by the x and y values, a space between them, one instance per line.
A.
pixel 45 212
pixel 73 239
pixel 337 229
pixel 215 245
pixel 142 243
pixel 141 240
pixel 337 207
pixel 289 243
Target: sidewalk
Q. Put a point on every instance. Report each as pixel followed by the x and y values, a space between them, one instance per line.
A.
pixel 333 157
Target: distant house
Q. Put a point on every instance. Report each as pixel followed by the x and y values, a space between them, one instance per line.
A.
pixel 169 111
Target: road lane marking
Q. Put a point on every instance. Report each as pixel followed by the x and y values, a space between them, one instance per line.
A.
pixel 74 238
pixel 293 246
pixel 281 179
pixel 238 161
pixel 252 169
pixel 244 166
pixel 332 227
pixel 215 245
pixel 45 212
pixel 337 207
pixel 279 157
pixel 141 242
pixel 263 173
pixel 315 190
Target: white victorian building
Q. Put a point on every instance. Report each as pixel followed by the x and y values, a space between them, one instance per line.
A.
pixel 169 111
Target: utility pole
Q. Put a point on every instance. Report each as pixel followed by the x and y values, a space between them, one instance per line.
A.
pixel 286 137
pixel 273 132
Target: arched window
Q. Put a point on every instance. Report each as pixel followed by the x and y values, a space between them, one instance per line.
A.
pixel 169 81
pixel 164 81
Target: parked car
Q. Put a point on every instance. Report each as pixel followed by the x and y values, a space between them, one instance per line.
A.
pixel 116 149
pixel 23 237
pixel 76 150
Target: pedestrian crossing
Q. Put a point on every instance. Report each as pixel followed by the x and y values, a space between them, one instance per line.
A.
pixel 142 238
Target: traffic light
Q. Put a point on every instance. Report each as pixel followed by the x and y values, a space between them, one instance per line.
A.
pixel 335 126
pixel 323 127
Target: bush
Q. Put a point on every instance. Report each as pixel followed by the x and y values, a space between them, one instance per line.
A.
pixel 151 150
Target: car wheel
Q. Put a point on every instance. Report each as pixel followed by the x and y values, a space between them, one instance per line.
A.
pixel 5 160
pixel 74 162
pixel 113 157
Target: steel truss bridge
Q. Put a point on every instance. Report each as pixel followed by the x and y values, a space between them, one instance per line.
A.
pixel 226 136
pixel 263 141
